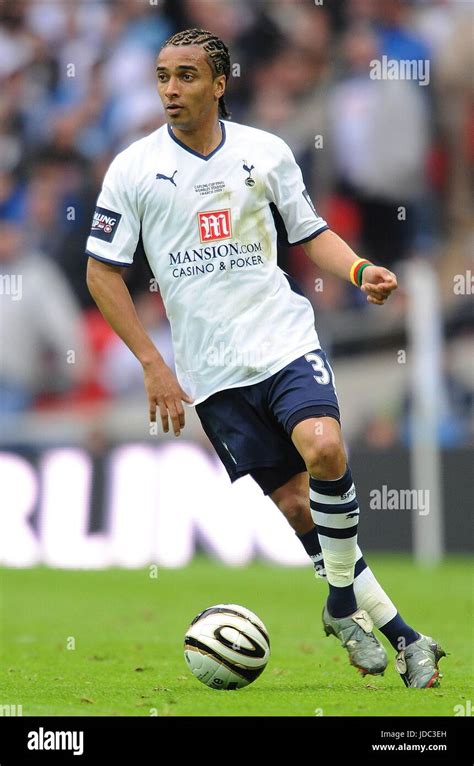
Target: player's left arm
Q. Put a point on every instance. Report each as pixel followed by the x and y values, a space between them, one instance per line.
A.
pixel 328 251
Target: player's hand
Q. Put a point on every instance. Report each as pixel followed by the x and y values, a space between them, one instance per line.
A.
pixel 165 393
pixel 377 284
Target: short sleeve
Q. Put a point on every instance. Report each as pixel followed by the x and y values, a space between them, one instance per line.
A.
pixel 295 216
pixel 116 223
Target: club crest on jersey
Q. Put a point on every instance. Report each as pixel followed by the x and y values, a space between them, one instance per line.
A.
pixel 105 223
pixel 249 181
pixel 214 225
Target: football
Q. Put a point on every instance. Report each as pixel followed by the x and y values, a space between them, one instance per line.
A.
pixel 226 646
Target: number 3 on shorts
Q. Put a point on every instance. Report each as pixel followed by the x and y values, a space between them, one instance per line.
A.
pixel 322 368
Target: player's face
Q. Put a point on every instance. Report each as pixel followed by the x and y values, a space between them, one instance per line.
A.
pixel 187 87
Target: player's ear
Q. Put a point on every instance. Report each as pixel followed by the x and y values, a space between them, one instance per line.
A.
pixel 219 85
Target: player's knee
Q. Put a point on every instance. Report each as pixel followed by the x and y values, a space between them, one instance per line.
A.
pixel 326 458
pixel 295 508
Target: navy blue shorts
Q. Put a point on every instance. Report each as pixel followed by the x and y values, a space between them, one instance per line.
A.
pixel 250 426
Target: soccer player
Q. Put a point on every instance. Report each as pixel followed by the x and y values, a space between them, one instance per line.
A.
pixel 209 197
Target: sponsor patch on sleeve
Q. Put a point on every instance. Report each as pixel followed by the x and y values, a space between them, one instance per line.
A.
pixel 105 223
pixel 309 201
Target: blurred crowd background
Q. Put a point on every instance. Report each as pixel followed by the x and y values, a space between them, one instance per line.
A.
pixel 388 164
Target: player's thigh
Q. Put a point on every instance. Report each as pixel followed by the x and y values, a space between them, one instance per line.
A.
pixel 303 390
pixel 319 442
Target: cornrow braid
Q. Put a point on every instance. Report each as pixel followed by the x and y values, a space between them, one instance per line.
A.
pixel 216 50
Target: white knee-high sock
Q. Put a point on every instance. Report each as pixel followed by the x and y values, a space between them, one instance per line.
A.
pixel 335 512
pixel 368 592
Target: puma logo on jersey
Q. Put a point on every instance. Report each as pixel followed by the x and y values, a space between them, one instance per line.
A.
pixel 161 176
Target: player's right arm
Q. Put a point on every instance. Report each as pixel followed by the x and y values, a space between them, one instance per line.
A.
pixel 111 246
pixel 111 295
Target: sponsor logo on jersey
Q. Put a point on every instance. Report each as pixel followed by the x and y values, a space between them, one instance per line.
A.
pixel 105 223
pixel 214 225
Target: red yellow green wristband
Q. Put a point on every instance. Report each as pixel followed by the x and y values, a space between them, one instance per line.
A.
pixel 356 271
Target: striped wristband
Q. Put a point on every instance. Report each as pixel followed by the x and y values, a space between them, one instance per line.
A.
pixel 356 271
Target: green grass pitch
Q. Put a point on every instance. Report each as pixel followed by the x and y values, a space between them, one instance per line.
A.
pixel 127 630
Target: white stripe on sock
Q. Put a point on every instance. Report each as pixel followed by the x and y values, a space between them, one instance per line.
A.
pixel 335 520
pixel 336 544
pixel 317 497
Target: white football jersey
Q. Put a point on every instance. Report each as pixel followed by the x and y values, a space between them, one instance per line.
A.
pixel 209 229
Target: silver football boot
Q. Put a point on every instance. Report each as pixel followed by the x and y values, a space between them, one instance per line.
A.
pixel 418 663
pixel 354 632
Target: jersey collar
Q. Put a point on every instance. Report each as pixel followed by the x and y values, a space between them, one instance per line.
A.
pixel 197 154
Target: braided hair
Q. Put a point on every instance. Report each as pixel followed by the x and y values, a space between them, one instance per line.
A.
pixel 216 50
